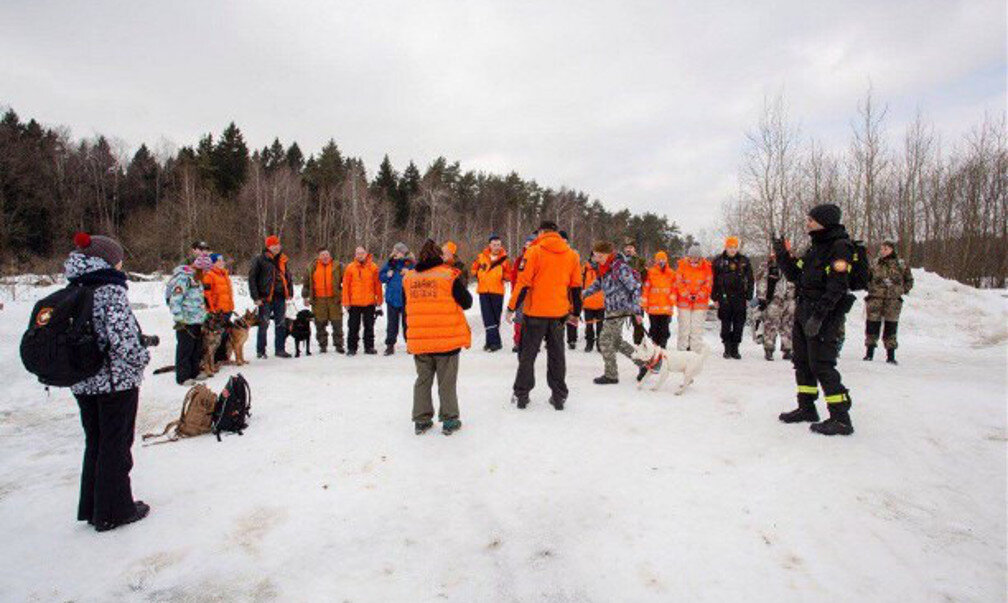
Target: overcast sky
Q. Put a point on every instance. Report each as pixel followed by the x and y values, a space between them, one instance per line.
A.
pixel 640 104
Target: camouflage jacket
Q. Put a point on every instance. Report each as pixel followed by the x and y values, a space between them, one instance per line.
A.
pixel 891 278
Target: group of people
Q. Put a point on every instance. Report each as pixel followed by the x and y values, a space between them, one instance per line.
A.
pixel 426 297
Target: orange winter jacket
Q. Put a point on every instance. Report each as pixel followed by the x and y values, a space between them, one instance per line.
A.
pixel 490 272
pixel 218 291
pixel 435 323
pixel 549 269
pixel 658 295
pixel 693 284
pixel 595 301
pixel 361 286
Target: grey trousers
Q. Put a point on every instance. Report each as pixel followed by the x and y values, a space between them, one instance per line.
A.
pixel 611 341
pixel 445 368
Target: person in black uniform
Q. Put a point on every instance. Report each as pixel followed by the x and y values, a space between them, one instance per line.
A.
pixel 733 288
pixel 822 279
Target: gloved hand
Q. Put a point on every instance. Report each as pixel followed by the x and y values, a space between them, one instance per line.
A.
pixel 812 326
pixel 378 311
pixel 762 305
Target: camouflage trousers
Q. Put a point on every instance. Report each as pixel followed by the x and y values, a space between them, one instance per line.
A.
pixel 778 320
pixel 887 310
pixel 611 341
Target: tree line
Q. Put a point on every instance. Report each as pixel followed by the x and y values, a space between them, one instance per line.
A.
pixel 945 205
pixel 218 190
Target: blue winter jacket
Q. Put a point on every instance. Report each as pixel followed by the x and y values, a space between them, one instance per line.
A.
pixel 393 282
pixel 621 287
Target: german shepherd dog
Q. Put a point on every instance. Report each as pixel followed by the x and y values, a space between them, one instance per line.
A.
pixel 238 334
pixel 213 330
pixel 300 329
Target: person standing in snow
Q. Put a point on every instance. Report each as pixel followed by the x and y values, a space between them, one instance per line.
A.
pixel 640 268
pixel 321 288
pixel 593 306
pixel 519 314
pixel 449 251
pixel 822 277
pixel 891 279
pixel 391 275
pixel 622 292
pixel 777 305
pixel 436 332
pixel 549 292
pixel 189 311
pixel 108 400
pixel 692 290
pixel 362 294
pixel 271 285
pixel 658 298
pixel 491 270
pixel 733 288
pixel 219 297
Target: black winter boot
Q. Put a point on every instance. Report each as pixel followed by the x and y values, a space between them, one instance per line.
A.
pixel 557 403
pixel 727 351
pixel 839 422
pixel 768 354
pixel 421 427
pixel 603 380
pixel 734 351
pixel 891 356
pixel 806 412
pixel 389 349
pixel 589 346
pixel 786 355
pixel 520 401
pixel 869 354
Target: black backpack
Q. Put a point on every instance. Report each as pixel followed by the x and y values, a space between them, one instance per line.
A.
pixel 60 346
pixel 234 405
pixel 860 272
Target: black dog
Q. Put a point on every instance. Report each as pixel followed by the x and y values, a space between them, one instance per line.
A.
pixel 300 329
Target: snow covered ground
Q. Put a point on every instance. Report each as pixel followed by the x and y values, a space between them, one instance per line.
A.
pixel 624 496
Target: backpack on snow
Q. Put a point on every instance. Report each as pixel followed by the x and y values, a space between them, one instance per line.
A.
pixel 234 405
pixel 60 346
pixel 860 270
pixel 196 416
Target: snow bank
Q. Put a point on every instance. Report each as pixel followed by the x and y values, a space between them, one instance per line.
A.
pixel 624 496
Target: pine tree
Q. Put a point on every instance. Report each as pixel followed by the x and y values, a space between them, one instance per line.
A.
pixel 230 161
pixel 409 186
pixel 294 157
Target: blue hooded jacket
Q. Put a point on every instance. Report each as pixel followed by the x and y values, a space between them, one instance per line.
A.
pixel 394 295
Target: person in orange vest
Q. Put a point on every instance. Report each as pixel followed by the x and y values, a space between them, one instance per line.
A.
pixel 322 289
pixel 593 305
pixel 220 297
pixel 449 251
pixel 436 331
pixel 658 298
pixel 362 294
pixel 549 292
pixel 270 286
pixel 491 270
pixel 693 282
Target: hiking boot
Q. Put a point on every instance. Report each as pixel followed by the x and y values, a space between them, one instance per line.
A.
pixel 571 345
pixel 589 346
pixel 450 426
pixel 370 351
pixel 486 347
pixel 838 423
pixel 338 348
pixel 421 427
pixel 389 349
pixel 869 354
pixel 768 354
pixel 519 401
pixel 786 355
pixel 515 348
pixel 261 355
pixel 735 353
pixel 494 348
pixel 806 412
pixel 140 510
pixel 557 403
pixel 604 380
pixel 891 356
pixel 322 349
pixel 351 352
pixel 283 354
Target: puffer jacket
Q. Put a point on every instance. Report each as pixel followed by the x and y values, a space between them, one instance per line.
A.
pixel 491 272
pixel 219 293
pixel 891 278
pixel 618 281
pixel 361 286
pixel 394 282
pixel 658 296
pixel 693 284
pixel 185 297
pixel 115 327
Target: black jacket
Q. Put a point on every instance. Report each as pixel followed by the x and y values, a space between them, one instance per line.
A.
pixel 264 278
pixel 733 278
pixel 822 275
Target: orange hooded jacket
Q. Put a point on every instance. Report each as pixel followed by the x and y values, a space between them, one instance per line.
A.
pixel 549 269
pixel 491 273
pixel 693 284
pixel 361 286
pixel 595 301
pixel 218 291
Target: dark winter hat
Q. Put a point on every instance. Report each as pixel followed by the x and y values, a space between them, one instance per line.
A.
pixel 826 214
pixel 98 246
pixel 563 235
pixel 548 226
pixel 201 245
pixel 493 238
pixel 889 243
pixel 602 247
pixel 215 257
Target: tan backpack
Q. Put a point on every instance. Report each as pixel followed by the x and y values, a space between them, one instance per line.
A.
pixel 195 419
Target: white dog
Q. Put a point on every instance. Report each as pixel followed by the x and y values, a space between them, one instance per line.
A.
pixel 665 362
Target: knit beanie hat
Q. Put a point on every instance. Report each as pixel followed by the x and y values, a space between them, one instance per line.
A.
pixel 826 214
pixel 450 247
pixel 602 247
pixel 272 240
pixel 98 246
pixel 202 263
pixel 661 256
pixel 493 238
pixel 215 257
pixel 731 242
pixel 400 247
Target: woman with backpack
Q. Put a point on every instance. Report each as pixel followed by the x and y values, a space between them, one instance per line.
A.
pixel 108 399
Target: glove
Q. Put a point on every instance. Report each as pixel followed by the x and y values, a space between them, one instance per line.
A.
pixel 812 326
pixel 379 312
pixel 762 305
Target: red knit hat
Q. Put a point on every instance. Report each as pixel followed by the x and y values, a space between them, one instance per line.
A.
pixel 272 240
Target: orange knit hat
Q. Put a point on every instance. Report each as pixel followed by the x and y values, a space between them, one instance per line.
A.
pixel 732 241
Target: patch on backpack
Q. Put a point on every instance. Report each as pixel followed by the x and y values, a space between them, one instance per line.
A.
pixel 177 290
pixel 43 317
pixel 840 265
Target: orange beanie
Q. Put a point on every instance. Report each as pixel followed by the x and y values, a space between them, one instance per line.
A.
pixel 731 242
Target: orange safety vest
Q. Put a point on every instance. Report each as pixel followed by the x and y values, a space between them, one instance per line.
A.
pixel 658 295
pixel 595 301
pixel 322 279
pixel 435 323
pixel 693 285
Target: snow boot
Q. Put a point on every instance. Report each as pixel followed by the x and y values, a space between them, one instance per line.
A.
pixel 589 346
pixel 869 354
pixel 727 355
pixel 768 354
pixel 351 352
pixel 486 347
pixel 786 355
pixel 557 403
pixel 520 401
pixel 734 351
pixel 494 348
pixel 891 356
pixel 389 349
pixel 603 380
pixel 338 348
pixel 370 351
pixel 450 426
pixel 839 422
pixel 421 427
pixel 262 356
pixel 806 412
pixel 140 510
pixel 283 354
pixel 322 349
pixel 514 348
